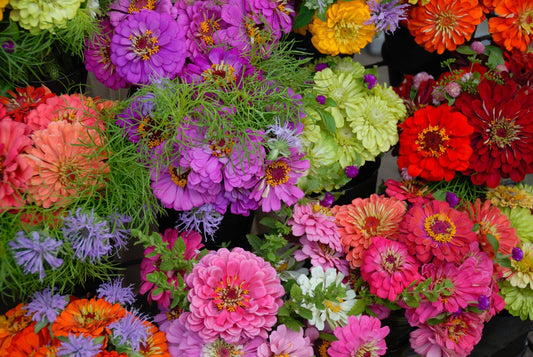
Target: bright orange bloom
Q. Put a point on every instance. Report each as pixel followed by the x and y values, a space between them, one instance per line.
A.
pixel 513 25
pixel 27 342
pixel 13 322
pixel 87 317
pixel 156 344
pixel 443 25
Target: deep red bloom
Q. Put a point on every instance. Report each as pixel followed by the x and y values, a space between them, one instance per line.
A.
pixel 23 100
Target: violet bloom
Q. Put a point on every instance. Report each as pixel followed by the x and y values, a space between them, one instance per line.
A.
pixel 245 162
pixel 370 80
pixel 386 15
pixel 46 305
pixel 320 66
pixel 452 199
pixel 119 10
pixel 286 342
pixel 129 331
pixel 351 171
pixel 483 302
pixel 31 252
pixel 283 137
pixel 518 254
pixel 328 200
pixel 98 60
pixel 278 14
pixel 321 99
pixel 88 234
pixel 8 46
pixel 121 234
pixel 204 219
pixel 79 346
pixel 113 292
pixel 148 45
pixel 240 202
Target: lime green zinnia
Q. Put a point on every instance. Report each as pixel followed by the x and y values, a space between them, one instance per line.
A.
pixel 519 302
pixel 351 151
pixel 522 220
pixel 395 104
pixel 347 65
pixel 38 15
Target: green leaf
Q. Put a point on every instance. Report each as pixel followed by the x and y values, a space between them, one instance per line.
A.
pixel 293 324
pixel 157 291
pixel 303 18
pixel 330 102
pixel 305 313
pixel 321 15
pixel 39 325
pixel 466 50
pixel 440 195
pixel 495 56
pixel 357 308
pixel 328 120
pixel 494 242
pixel 327 336
pixel 437 319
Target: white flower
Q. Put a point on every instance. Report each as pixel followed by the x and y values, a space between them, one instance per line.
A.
pixel 331 302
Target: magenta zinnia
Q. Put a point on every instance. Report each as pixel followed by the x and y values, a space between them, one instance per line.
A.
pixel 388 268
pixel 233 295
pixel 437 230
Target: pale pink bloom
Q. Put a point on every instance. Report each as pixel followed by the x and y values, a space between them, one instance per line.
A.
pixel 286 342
pixel 323 255
pixel 362 336
pixel 233 295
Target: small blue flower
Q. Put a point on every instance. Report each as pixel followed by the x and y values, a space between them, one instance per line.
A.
pixel 113 292
pixel 46 304
pixel 31 252
pixel 78 346
pixel 89 235
pixel 285 133
pixel 121 234
pixel 129 331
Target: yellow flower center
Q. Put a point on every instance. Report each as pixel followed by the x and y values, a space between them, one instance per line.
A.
pixel 440 228
pixel 445 22
pixel 231 294
pixel 433 141
pixel 222 147
pixel 147 130
pixel 144 45
pixel 526 21
pixel 346 31
pixel 502 133
pixel 334 306
pixel 138 5
pixel 456 329
pixel 391 261
pixel 366 350
pixel 277 173
pixel 222 348
pixel 525 266
pixel 323 348
pixel 67 172
pixel 207 29
pixel 220 73
pixel 177 178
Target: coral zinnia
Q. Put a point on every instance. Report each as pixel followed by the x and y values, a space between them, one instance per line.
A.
pixel 388 268
pixel 443 25
pixel 233 294
pixel 365 218
pixel 503 132
pixel 362 336
pixel 437 230
pixel 435 143
pixel 344 30
pixel 513 26
pixel 87 317
pixel 67 160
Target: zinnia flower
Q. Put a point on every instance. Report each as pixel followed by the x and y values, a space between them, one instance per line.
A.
pixel 412 191
pixel 148 45
pixel 388 268
pixel 519 302
pixel 233 294
pixel 364 219
pixel 362 336
pixel 15 167
pixel 437 230
pixel 344 30
pixel 23 100
pixel 286 342
pixel 31 252
pixel 521 274
pixel 13 322
pixel 42 15
pixel 441 25
pixel 90 318
pixel 512 26
pixel 503 132
pixel 324 255
pixel 119 10
pixel 510 196
pixel 67 160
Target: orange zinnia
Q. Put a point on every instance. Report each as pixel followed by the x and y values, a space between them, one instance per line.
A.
pixel 443 25
pixel 156 343
pixel 88 317
pixel 27 342
pixel 13 322
pixel 513 25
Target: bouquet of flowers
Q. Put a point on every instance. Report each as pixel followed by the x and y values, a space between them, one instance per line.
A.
pixel 106 324
pixel 67 192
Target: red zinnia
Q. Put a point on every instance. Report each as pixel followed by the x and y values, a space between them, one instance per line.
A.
pixel 23 100
pixel 434 143
pixel 503 132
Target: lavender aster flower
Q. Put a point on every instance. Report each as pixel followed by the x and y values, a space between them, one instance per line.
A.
pixel 113 292
pixel 148 45
pixel 204 219
pixel 386 15
pixel 285 136
pixel 370 80
pixel 129 331
pixel 78 346
pixel 46 304
pixel 121 234
pixel 89 235
pixel 31 252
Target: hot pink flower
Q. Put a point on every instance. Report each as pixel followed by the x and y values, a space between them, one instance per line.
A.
pixel 437 230
pixel 15 169
pixel 322 255
pixel 362 336
pixel 317 223
pixel 388 268
pixel 233 295
pixel 286 342
pixel 456 336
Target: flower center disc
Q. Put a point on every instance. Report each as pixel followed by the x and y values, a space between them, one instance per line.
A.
pixel 440 228
pixel 177 178
pixel 144 45
pixel 277 173
pixel 433 141
pixel 231 294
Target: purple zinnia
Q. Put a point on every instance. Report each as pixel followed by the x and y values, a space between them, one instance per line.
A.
pixel 31 252
pixel 386 15
pixel 113 292
pixel 278 183
pixel 278 14
pixel 137 122
pixel 88 234
pixel 79 346
pixel 98 60
pixel 240 201
pixel 119 10
pixel 148 45
pixel 129 331
pixel 46 304
pixel 351 171
pixel 245 162
pixel 202 219
pixel 370 80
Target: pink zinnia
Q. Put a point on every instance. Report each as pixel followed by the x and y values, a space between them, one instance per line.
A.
pixel 286 342
pixel 437 230
pixel 388 268
pixel 150 264
pixel 455 337
pixel 278 183
pixel 323 255
pixel 15 168
pixel 317 223
pixel 233 295
pixel 362 336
